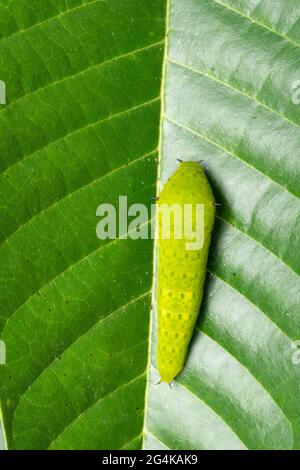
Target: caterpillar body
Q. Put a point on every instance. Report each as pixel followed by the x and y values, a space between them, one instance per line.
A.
pixel 181 271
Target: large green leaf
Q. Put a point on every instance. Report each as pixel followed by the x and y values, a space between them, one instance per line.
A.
pixel 80 128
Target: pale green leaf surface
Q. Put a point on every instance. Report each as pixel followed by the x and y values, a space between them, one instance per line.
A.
pixel 228 102
pixel 81 127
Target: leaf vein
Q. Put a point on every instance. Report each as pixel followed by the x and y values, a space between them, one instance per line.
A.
pixel 237 90
pixel 87 126
pixel 262 25
pixel 83 71
pixel 50 18
pixel 224 149
pixel 81 188
pixel 251 302
pixel 246 368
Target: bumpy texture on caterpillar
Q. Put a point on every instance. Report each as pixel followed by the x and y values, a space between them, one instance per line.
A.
pixel 181 272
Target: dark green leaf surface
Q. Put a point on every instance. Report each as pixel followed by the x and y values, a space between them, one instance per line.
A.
pixel 81 127
pixel 229 71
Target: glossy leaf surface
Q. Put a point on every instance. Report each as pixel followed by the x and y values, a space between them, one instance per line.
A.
pixel 81 127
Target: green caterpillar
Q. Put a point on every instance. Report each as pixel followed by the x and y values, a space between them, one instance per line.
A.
pixel 181 270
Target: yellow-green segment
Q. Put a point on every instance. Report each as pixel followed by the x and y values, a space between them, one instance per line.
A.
pixel 181 270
